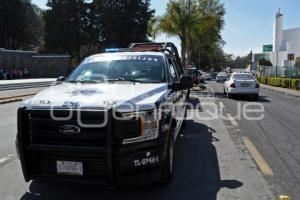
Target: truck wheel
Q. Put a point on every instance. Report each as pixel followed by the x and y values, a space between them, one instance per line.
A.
pixel 168 165
pixel 184 120
pixel 229 96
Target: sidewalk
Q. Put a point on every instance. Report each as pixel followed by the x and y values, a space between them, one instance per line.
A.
pixel 19 81
pixel 22 88
pixel 286 91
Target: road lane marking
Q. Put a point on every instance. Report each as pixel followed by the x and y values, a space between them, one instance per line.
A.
pixel 4 160
pixel 232 120
pixel 284 197
pixel 260 161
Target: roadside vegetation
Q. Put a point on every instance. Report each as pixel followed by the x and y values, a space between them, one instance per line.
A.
pixel 281 82
pixel 80 27
pixel 198 25
pixel 75 27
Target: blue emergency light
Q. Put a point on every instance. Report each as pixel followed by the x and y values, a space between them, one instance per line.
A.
pixel 112 50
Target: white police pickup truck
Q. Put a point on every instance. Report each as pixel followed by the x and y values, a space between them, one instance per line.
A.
pixel 114 120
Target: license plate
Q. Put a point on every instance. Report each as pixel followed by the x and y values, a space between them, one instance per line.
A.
pixel 245 84
pixel 69 168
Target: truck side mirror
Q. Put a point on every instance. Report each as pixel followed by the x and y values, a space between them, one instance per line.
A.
pixel 61 79
pixel 186 82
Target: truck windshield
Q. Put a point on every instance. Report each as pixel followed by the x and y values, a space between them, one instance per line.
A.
pixel 148 69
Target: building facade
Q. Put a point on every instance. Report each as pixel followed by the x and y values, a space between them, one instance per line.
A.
pixel 285 42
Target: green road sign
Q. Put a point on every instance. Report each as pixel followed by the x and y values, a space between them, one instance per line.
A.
pixel 267 48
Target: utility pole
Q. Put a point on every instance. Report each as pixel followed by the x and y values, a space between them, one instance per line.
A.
pixel 276 62
pixel 189 5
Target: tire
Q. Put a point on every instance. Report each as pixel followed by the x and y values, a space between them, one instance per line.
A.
pixel 229 96
pixel 168 164
pixel 184 120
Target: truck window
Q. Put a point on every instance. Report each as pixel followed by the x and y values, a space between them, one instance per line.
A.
pixel 173 71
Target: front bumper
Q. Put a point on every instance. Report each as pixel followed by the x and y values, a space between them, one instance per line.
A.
pixel 113 164
pixel 134 165
pixel 246 91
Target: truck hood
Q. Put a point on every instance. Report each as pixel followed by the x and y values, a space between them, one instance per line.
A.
pixel 123 96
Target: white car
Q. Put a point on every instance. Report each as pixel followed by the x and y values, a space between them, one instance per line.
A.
pixel 221 77
pixel 207 76
pixel 242 84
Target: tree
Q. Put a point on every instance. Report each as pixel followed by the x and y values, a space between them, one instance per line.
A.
pixel 205 42
pixel 34 30
pixel 297 64
pixel 198 27
pixel 120 22
pixel 12 24
pixel 21 25
pixel 264 62
pixel 81 27
pixel 176 22
pixel 64 27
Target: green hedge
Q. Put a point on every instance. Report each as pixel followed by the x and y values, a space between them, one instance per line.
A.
pixel 280 82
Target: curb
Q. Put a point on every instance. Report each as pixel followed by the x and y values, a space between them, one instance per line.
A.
pixel 10 101
pixel 271 88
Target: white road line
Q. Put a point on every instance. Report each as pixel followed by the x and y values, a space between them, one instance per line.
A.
pixel 232 120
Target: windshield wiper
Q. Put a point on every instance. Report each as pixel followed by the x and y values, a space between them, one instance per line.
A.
pixel 84 81
pixel 129 80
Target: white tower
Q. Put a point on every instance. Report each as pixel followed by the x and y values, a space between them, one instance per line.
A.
pixel 278 32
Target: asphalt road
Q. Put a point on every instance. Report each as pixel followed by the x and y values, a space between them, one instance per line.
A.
pixel 214 161
pixel 276 136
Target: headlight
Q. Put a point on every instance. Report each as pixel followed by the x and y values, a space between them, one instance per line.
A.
pixel 148 124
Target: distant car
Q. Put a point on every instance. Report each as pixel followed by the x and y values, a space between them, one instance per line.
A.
pixel 221 77
pixel 207 76
pixel 242 84
pixel 195 74
pixel 201 79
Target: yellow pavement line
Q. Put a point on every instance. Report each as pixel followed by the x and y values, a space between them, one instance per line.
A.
pixel 10 100
pixel 17 96
pixel 232 120
pixel 284 197
pixel 260 161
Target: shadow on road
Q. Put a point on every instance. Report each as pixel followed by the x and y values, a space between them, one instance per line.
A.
pixel 261 99
pixel 197 175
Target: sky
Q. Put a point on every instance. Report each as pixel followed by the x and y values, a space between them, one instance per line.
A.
pixel 248 23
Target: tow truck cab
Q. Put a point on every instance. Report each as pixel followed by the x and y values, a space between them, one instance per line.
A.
pixel 113 121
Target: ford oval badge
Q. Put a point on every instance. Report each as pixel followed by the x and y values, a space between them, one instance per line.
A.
pixel 69 130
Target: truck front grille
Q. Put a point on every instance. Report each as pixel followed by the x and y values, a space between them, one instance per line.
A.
pixel 44 129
